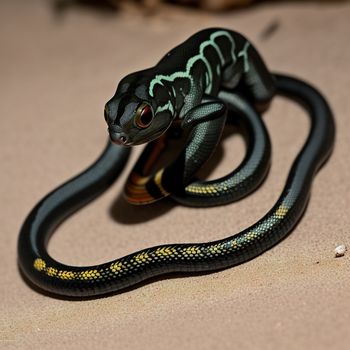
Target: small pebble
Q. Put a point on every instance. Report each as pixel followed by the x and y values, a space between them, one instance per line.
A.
pixel 340 250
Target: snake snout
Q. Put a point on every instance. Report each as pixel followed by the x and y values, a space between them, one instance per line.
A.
pixel 118 137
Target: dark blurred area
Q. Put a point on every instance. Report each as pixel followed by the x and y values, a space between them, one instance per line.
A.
pixel 112 6
pixel 102 6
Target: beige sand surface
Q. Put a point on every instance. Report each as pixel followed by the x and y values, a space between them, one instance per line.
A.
pixel 55 76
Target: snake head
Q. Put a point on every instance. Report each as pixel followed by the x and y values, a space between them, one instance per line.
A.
pixel 120 115
pixel 134 119
pixel 132 115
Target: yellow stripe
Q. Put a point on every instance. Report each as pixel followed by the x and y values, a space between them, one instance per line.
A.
pixel 137 179
pixel 158 182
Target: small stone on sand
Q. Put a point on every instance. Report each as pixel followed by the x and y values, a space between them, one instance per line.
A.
pixel 340 250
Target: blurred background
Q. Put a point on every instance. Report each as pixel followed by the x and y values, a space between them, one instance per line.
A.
pixel 60 61
pixel 210 5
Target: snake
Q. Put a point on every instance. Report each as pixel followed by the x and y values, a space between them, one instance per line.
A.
pixel 187 85
pixel 183 88
pixel 240 182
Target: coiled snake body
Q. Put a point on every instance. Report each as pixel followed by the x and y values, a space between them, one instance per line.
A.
pixel 194 83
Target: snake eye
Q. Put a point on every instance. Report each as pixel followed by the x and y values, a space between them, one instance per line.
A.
pixel 143 116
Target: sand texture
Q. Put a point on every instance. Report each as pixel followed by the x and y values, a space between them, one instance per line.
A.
pixel 56 73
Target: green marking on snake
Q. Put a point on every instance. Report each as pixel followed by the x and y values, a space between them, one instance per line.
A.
pixel 243 53
pixel 174 91
pixel 200 56
pixel 166 107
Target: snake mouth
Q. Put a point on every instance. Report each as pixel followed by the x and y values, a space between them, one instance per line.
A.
pixel 119 137
pixel 149 137
pixel 121 142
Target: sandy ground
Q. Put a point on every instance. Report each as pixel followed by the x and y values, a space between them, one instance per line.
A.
pixel 55 76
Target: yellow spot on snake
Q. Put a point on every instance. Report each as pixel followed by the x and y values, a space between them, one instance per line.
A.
pixel 192 251
pixel 250 235
pixel 281 211
pixel 66 275
pixel 39 264
pixel 141 258
pixel 215 248
pixel 117 267
pixel 89 274
pixel 51 271
pixel 165 251
pixel 202 189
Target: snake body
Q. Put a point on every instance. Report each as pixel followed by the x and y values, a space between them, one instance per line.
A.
pixel 183 87
pixel 52 276
pixel 227 189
